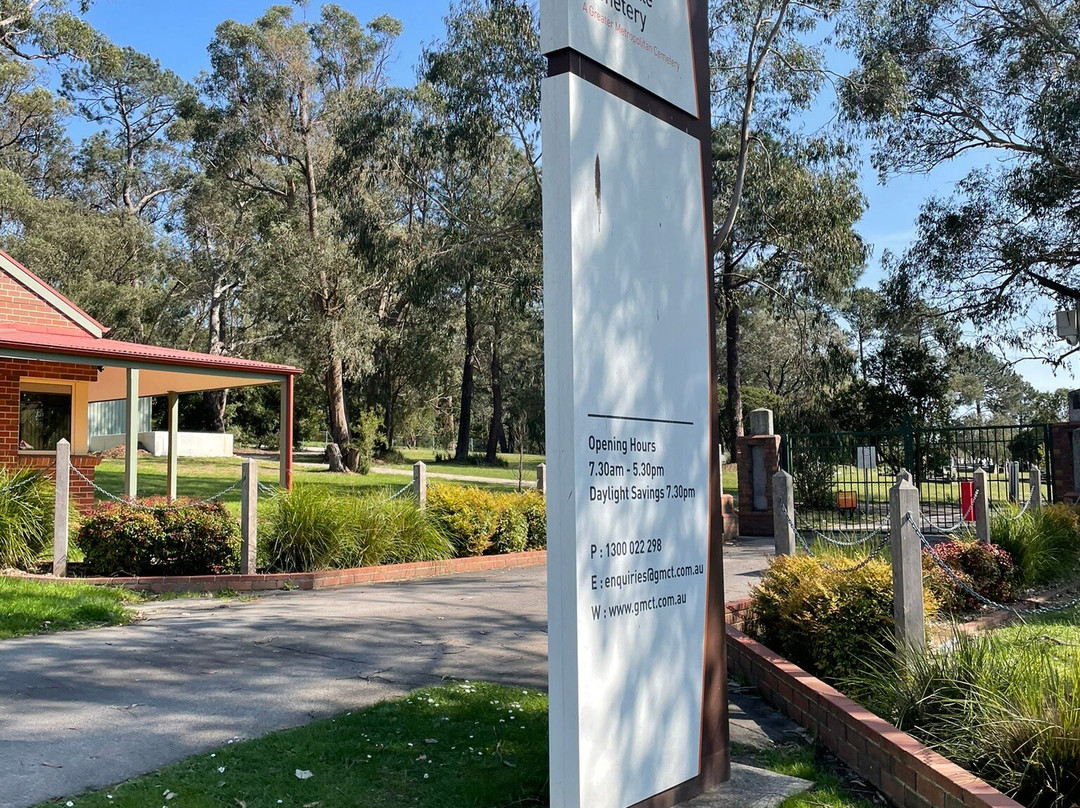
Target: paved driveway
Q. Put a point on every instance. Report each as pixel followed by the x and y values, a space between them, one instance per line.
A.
pixel 87 709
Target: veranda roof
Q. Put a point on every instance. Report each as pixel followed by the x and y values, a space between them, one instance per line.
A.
pixel 162 370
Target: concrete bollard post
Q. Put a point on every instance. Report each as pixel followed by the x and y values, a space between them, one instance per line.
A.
pixel 62 509
pixel 541 478
pixel 904 474
pixel 419 483
pixel 249 517
pixel 783 487
pixel 982 505
pixel 1012 480
pixel 907 565
pixel 1036 489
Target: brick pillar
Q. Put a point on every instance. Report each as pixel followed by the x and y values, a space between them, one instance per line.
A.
pixel 758 459
pixel 1061 450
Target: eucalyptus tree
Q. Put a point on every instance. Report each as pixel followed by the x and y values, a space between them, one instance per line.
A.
pixel 765 70
pixel 997 82
pixel 134 162
pixel 486 74
pixel 275 93
pixel 33 30
pixel 794 238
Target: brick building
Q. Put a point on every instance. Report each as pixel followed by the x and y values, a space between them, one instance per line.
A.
pixel 55 360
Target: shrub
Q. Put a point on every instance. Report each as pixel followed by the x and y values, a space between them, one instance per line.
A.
pixel 469 517
pixel 26 508
pixel 986 568
pixel 533 506
pixel 313 529
pixel 1044 544
pixel 832 624
pixel 511 530
pixel 365 432
pixel 478 521
pixel 187 538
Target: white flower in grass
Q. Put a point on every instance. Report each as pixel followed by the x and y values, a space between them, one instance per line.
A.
pixel 221 769
pixel 303 774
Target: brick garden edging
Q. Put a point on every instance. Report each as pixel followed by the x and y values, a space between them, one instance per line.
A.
pixel 314 580
pixel 909 774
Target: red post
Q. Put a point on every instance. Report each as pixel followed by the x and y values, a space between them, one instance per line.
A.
pixel 285 447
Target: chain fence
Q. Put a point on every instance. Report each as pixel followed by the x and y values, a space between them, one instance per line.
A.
pixel 978 596
pixel 886 536
pixel 191 503
pixel 965 522
pixel 882 531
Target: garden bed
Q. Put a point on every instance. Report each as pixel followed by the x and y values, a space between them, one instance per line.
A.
pixel 325 579
pixel 908 773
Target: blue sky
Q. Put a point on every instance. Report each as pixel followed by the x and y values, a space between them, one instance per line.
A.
pixel 177 34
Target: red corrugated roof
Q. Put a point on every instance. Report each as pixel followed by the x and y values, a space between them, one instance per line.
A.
pixel 73 345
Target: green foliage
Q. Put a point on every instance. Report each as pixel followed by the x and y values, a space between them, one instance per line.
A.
pixel 365 432
pixel 312 529
pixel 511 531
pixel 304 529
pixel 26 507
pixel 534 507
pixel 480 522
pixel 986 568
pixel 754 398
pixel 1044 544
pixel 470 517
pixel 1002 704
pixel 832 624
pixel 391 532
pixel 185 538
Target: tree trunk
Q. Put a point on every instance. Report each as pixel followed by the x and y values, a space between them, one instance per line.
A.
pixel 215 401
pixel 467 383
pixel 335 395
pixel 733 353
pixel 496 430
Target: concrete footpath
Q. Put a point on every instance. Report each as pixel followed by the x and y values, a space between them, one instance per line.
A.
pixel 86 709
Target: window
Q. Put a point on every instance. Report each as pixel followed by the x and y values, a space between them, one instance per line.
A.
pixel 44 416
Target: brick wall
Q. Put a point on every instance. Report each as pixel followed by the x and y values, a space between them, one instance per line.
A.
pixel 909 774
pixel 327 579
pixel 20 305
pixel 11 371
pixel 752 522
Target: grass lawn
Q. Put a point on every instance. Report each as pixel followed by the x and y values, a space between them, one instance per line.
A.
pixel 498 472
pixel 202 478
pixel 510 472
pixel 476 745
pixel 33 607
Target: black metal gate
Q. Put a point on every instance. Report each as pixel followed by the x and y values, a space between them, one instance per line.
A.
pixel 842 479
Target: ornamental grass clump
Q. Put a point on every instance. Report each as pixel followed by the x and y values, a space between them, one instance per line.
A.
pixel 26 508
pixel 311 529
pixel 391 532
pixel 1003 704
pixel 1044 544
